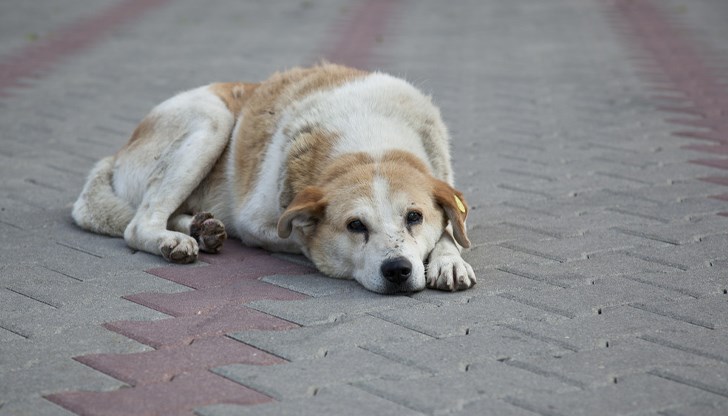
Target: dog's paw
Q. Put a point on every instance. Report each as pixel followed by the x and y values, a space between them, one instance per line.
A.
pixel 449 272
pixel 179 249
pixel 208 231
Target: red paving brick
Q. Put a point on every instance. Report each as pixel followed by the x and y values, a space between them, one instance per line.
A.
pixel 235 263
pixel 183 330
pixel 182 394
pixel 196 302
pixel 164 364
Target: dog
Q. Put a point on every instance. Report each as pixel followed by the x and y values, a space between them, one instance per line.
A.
pixel 350 168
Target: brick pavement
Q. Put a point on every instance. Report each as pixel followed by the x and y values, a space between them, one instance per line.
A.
pixel 588 135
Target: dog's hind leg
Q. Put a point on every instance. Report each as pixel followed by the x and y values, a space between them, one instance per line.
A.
pixel 195 129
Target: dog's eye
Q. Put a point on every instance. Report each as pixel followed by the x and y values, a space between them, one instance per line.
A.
pixel 414 217
pixel 356 226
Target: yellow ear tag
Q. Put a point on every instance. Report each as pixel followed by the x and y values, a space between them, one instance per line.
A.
pixel 460 204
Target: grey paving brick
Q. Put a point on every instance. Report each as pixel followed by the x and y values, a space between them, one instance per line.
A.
pixel 32 406
pixel 303 378
pixel 602 330
pixel 315 285
pixel 317 341
pixel 630 395
pixel 592 368
pixel 459 352
pixel 714 407
pixel 488 380
pixel 706 312
pixel 587 300
pixel 428 318
pixel 337 400
pixel 326 309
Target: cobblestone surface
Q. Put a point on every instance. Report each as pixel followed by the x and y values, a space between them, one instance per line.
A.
pixel 590 138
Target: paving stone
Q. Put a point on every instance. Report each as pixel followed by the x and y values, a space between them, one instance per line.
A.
pixel 317 341
pixel 165 364
pixel 325 309
pixel 183 330
pixel 599 330
pixel 33 406
pixel 428 318
pixel 488 380
pixel 628 396
pixel 302 378
pixel 238 263
pixel 315 285
pixel 190 390
pixel 587 300
pixel 592 368
pixel 693 311
pixel 197 302
pixel 457 353
pixel 337 400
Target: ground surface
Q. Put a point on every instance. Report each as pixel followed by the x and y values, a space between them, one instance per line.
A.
pixel 590 136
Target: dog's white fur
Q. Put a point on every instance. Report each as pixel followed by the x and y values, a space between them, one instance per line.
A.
pixel 288 165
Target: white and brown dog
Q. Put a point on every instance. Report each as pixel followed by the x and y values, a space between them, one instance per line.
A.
pixel 350 168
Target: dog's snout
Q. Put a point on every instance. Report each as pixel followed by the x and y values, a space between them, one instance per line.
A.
pixel 397 270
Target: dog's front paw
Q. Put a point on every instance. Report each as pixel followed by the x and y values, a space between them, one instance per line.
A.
pixel 208 231
pixel 449 272
pixel 179 249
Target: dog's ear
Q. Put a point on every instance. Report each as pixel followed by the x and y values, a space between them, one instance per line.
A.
pixel 453 203
pixel 306 208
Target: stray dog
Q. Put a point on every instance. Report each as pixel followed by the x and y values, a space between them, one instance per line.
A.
pixel 348 167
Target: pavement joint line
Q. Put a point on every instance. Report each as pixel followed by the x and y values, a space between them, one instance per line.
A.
pixel 637 214
pixel 688 382
pixel 646 236
pixel 14 331
pixel 690 350
pixel 526 208
pixel 522 404
pixel 536 230
pixel 622 177
pixel 524 190
pixel 548 374
pixel 656 260
pixel 532 276
pixel 674 316
pixel 20 293
pixel 539 337
pixel 535 253
pixel 546 308
pixel 63 274
pixel 80 250
pixel 682 291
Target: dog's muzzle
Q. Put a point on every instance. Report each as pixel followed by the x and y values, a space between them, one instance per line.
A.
pixel 397 270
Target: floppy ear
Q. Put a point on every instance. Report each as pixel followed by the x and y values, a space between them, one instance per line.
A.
pixel 453 203
pixel 307 206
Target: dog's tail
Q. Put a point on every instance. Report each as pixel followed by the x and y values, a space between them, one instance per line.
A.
pixel 98 208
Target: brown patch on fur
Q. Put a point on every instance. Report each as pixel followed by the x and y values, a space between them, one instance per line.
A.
pixel 308 156
pixel 308 205
pixel 144 129
pixel 264 108
pixel 233 94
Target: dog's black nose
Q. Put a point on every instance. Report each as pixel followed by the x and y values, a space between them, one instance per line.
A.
pixel 397 270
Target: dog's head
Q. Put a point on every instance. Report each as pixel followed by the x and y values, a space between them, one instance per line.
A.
pixel 375 220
